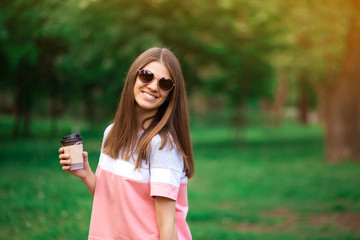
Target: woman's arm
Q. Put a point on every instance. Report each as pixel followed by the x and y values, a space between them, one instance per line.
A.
pixel 85 174
pixel 166 219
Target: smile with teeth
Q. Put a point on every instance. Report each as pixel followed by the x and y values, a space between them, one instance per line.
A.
pixel 148 96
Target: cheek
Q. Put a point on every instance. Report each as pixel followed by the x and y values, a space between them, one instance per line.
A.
pixel 137 85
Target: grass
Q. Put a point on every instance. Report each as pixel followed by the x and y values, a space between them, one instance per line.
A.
pixel 274 184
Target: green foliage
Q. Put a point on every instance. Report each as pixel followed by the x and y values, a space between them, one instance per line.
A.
pixel 276 186
pixel 313 37
pixel 79 52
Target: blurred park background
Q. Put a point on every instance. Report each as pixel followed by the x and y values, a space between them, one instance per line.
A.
pixel 274 98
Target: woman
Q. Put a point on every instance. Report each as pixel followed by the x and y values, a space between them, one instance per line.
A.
pixel 140 185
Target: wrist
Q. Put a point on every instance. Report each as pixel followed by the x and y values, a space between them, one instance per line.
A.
pixel 89 179
pixel 87 175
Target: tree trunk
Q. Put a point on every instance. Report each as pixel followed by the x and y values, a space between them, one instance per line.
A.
pixel 89 111
pixel 303 107
pixel 303 101
pixel 340 99
pixel 280 97
pixel 25 84
pixel 17 112
pixel 56 108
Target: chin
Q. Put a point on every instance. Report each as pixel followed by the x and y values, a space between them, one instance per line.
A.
pixel 148 108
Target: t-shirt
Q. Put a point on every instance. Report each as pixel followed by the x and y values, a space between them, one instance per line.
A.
pixel 124 204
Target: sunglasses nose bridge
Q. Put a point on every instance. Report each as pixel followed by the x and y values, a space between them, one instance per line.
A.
pixel 154 84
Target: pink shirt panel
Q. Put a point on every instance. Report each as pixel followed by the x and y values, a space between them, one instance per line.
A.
pixel 124 204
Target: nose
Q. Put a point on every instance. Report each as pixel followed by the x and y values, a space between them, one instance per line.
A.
pixel 153 85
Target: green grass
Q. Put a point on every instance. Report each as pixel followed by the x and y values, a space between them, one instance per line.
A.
pixel 273 184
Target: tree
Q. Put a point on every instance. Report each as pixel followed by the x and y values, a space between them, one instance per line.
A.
pixel 341 99
pixel 21 54
pixel 326 57
pixel 30 53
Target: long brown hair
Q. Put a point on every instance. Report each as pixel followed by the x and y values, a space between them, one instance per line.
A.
pixel 171 121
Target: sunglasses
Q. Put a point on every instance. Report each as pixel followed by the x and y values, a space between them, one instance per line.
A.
pixel 165 84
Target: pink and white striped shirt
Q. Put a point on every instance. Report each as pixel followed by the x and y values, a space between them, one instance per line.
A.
pixel 124 207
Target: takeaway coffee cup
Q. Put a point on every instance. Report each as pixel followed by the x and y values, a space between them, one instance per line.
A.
pixel 73 146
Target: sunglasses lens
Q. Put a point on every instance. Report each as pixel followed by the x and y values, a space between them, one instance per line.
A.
pixel 166 84
pixel 146 76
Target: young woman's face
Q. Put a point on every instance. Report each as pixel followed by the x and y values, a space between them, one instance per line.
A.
pixel 148 96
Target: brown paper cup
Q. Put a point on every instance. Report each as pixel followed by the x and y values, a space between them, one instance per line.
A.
pixel 73 146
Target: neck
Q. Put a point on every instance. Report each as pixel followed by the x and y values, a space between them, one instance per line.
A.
pixel 142 115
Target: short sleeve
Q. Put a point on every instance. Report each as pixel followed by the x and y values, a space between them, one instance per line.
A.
pixel 166 170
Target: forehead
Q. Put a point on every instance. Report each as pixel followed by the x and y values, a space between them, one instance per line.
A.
pixel 158 68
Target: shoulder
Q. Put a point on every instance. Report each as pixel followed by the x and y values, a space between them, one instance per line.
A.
pixel 156 140
pixel 107 130
pixel 157 143
pixel 166 156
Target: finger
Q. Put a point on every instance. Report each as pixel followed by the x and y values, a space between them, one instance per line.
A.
pixel 66 168
pixel 61 150
pixel 64 156
pixel 65 162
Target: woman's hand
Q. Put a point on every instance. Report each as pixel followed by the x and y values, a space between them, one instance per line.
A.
pixel 86 175
pixel 65 162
